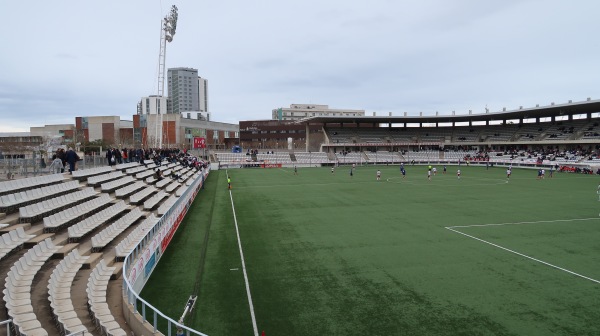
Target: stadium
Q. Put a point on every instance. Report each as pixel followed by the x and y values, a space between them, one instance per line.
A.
pixel 287 242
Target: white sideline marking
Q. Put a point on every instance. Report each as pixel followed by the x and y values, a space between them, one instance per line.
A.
pixel 521 223
pixel 237 231
pixel 301 185
pixel 451 228
pixel 234 269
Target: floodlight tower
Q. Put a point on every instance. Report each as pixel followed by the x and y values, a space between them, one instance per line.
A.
pixel 169 25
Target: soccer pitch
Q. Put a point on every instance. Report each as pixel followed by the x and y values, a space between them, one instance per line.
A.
pixel 331 254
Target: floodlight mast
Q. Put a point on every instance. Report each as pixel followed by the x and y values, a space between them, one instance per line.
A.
pixel 169 25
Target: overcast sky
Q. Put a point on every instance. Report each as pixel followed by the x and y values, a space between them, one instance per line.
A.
pixel 68 58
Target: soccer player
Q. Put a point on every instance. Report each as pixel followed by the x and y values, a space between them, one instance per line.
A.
pixel 508 172
pixel 378 174
pixel 543 173
pixel 539 177
pixel 403 171
pixel 598 191
pixel 429 174
pixel 434 171
pixel 444 172
pixel 295 170
pixel 228 182
pixel 333 170
pixel 351 172
pixel 353 166
pixel 458 174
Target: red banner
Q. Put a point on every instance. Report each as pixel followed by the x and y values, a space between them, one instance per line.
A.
pixel 271 165
pixel 199 142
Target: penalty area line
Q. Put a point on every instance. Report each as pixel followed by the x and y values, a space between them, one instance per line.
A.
pixel 521 223
pixel 237 232
pixel 524 255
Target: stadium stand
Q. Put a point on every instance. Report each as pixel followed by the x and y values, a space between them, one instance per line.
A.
pixel 87 225
pixel 54 209
pixel 29 183
pixel 86 173
pixel 13 240
pixel 37 210
pixel 104 237
pixel 98 179
pixel 96 293
pixel 17 294
pixel 129 189
pixel 10 202
pixel 131 241
pixel 59 220
pixel 112 185
pixel 59 293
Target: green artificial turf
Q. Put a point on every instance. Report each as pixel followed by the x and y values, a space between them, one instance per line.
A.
pixel 331 254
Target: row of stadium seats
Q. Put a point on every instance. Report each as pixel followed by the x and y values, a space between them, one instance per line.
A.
pixel 76 215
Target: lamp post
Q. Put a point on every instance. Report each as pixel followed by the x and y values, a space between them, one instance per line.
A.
pixel 169 25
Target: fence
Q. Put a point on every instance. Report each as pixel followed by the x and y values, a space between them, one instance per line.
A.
pixel 34 166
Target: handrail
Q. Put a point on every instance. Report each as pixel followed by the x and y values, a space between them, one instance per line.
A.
pixel 132 296
pixel 7 327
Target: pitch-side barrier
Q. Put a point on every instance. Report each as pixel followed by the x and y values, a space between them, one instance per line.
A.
pixel 141 262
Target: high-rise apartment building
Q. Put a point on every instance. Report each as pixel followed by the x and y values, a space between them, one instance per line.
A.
pixel 187 91
pixel 154 105
pixel 203 94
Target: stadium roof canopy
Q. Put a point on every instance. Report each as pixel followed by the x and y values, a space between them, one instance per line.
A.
pixel 556 110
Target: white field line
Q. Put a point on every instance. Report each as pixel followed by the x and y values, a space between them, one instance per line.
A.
pixel 523 255
pixel 302 185
pixel 237 231
pixel 521 223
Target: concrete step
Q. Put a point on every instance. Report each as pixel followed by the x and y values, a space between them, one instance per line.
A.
pixel 118 270
pixel 92 261
pixel 33 241
pixel 10 227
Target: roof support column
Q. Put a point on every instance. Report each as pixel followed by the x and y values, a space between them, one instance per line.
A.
pixel 307 132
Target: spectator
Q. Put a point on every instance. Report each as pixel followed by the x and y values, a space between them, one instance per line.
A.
pixel 57 165
pixel 71 158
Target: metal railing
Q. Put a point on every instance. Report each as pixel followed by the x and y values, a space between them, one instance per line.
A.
pixel 12 168
pixel 141 306
pixel 7 322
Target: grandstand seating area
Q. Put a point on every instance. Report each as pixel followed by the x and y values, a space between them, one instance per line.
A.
pixel 527 142
pixel 63 231
pixel 275 157
pixel 579 129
